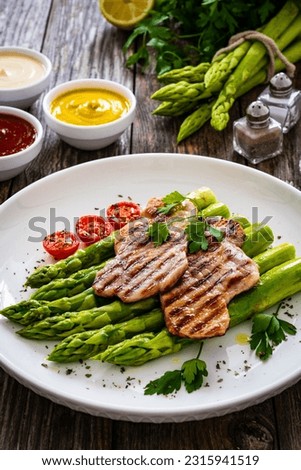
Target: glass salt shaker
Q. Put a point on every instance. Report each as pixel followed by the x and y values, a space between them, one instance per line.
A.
pixel 283 100
pixel 257 136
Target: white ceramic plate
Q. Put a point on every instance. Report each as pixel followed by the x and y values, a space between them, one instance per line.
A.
pixel 236 378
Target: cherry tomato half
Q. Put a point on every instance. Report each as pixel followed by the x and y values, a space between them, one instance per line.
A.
pixel 122 212
pixel 91 228
pixel 61 244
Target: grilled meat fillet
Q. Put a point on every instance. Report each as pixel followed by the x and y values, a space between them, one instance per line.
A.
pixel 141 269
pixel 196 307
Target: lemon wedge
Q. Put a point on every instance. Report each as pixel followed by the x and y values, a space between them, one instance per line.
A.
pixel 125 14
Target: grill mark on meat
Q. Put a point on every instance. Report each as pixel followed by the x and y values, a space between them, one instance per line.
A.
pixel 154 269
pixel 195 289
pixel 142 269
pixel 135 263
pixel 193 284
pixel 107 283
pixel 196 307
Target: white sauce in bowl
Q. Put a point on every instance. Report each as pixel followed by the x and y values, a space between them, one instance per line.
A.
pixel 19 70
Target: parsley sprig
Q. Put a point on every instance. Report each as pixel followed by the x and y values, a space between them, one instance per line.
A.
pixel 197 234
pixel 268 331
pixel 191 374
pixel 171 201
pixel 158 232
pixel 197 229
pixel 179 33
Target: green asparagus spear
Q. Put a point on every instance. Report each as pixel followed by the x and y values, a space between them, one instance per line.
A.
pixel 274 256
pixel 81 345
pixel 189 73
pixel 292 53
pixel 220 71
pixel 258 238
pixel 241 219
pixel 69 323
pixel 248 64
pixel 17 311
pixel 145 347
pixel 26 313
pixel 89 343
pixel 180 91
pixel 174 108
pixel 142 348
pixel 275 285
pixel 202 197
pixel 216 209
pixel 67 287
pixel 90 256
pixel 195 120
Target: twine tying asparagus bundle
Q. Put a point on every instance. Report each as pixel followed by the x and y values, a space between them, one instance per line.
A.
pixel 271 48
pixel 250 59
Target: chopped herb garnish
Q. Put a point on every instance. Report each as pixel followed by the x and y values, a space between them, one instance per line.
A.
pixel 158 232
pixel 197 239
pixel 215 232
pixel 269 331
pixel 197 232
pixel 171 201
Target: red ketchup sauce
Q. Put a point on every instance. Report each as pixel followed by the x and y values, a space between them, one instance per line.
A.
pixel 16 134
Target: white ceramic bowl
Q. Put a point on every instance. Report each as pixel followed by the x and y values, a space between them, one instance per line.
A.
pixel 12 165
pixel 25 96
pixel 89 137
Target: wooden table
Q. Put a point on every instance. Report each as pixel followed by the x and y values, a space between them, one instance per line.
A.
pixel 81 44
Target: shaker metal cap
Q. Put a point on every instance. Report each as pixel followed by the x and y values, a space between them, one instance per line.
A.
pixel 257 113
pixel 280 84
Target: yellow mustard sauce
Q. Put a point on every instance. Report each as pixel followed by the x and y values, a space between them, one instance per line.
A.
pixel 89 106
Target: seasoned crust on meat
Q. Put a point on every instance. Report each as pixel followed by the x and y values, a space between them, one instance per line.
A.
pixel 194 289
pixel 141 269
pixel 196 307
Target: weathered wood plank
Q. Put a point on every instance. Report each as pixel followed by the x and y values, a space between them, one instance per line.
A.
pixel 288 414
pixel 29 421
pixel 81 44
pixel 253 428
pixel 91 37
pixel 22 23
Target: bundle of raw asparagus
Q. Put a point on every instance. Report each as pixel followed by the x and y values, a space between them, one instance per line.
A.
pixel 208 90
pixel 63 305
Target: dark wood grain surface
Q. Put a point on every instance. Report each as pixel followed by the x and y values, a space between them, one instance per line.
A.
pixel 81 44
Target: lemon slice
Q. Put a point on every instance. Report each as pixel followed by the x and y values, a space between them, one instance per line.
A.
pixel 125 14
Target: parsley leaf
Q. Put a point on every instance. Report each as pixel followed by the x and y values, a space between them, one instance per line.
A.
pixel 177 33
pixel 269 331
pixel 171 201
pixel 192 374
pixel 169 382
pixel 158 232
pixel 196 232
pixel 196 236
pixel 215 232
